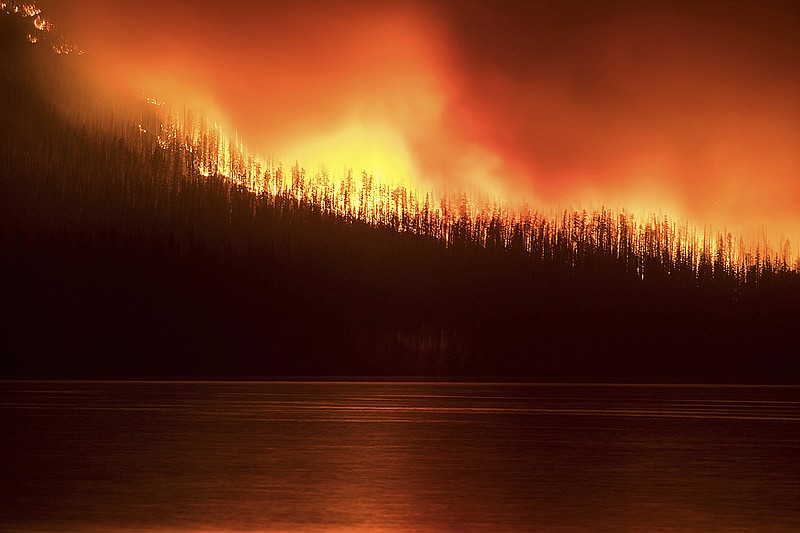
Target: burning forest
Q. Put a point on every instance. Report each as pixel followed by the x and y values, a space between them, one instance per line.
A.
pixel 143 239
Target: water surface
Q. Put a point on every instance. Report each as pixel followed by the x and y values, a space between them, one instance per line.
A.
pixel 397 457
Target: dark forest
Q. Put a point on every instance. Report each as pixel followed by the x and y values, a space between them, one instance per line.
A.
pixel 124 257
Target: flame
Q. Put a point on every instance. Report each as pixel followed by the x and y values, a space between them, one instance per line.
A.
pixel 434 119
pixel 378 149
pixel 41 24
pixel 473 217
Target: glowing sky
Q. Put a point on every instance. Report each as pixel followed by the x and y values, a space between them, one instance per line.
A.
pixel 689 107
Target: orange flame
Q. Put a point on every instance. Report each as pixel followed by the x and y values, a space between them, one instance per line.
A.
pixel 631 114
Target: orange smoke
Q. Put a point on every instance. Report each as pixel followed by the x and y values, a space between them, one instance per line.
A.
pixel 689 110
pixel 692 109
pixel 354 86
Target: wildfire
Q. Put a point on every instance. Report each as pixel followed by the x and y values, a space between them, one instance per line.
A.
pixel 468 216
pixel 42 24
pixel 44 28
pixel 23 9
pixel 375 148
pixel 375 157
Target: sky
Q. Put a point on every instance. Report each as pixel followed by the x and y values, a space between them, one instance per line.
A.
pixel 683 107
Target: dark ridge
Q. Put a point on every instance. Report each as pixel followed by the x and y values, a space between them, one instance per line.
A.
pixel 119 259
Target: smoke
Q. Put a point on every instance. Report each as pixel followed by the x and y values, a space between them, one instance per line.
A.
pixel 690 109
pixel 697 106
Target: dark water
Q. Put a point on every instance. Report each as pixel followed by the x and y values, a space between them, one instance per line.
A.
pixel 325 457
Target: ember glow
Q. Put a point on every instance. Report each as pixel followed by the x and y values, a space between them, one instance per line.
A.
pixel 41 28
pixel 676 109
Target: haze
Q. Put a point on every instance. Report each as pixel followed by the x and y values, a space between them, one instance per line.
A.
pixel 691 110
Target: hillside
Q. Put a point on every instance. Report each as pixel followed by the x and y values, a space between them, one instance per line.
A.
pixel 121 258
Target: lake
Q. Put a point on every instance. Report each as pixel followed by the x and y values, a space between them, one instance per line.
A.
pixel 396 457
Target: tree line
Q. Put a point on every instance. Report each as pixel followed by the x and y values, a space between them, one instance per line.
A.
pixel 135 243
pixel 653 247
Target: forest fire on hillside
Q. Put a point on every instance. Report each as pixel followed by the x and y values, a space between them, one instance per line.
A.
pixel 690 110
pixel 388 135
pixel 390 266
pixel 677 248
pixel 143 214
pixel 41 27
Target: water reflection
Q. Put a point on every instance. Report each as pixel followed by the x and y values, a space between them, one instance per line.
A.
pixel 396 457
